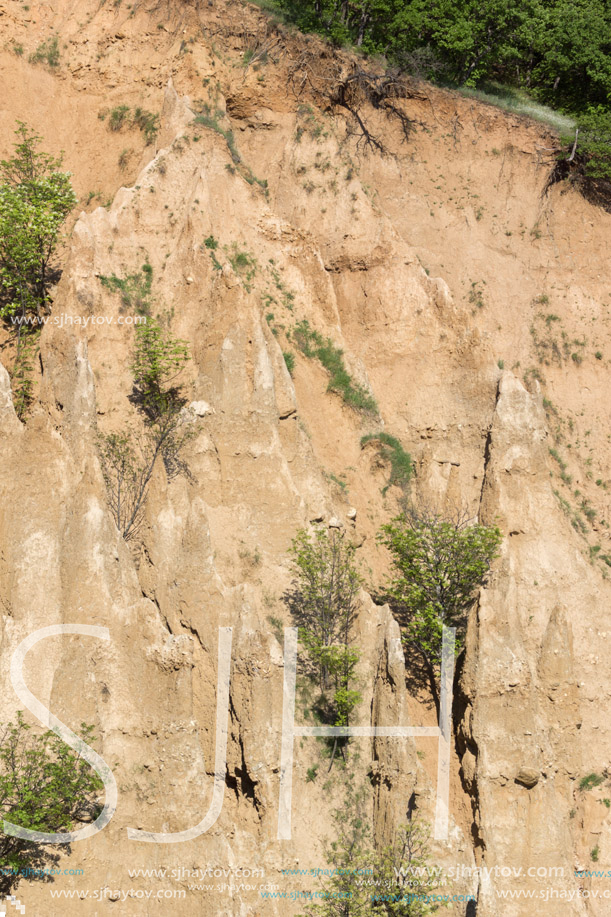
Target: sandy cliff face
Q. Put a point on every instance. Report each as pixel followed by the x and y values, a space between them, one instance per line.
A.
pixel 436 269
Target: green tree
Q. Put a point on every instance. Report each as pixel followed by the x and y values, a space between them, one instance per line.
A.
pixel 35 199
pixel 327 584
pixel 439 565
pixel 391 882
pixel 324 603
pixel 157 362
pixel 593 143
pixel 45 786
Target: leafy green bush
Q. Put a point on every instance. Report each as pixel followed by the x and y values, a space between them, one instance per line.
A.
pixel 401 467
pixel 45 786
pixel 395 881
pixel 289 359
pixel 35 199
pixel 594 142
pixel 439 564
pixel 157 361
pixel 312 344
pixel 323 603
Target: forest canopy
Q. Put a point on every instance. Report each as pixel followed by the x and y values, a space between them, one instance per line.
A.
pixel 558 51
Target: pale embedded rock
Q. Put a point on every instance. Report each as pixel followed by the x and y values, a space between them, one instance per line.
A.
pixel 201 408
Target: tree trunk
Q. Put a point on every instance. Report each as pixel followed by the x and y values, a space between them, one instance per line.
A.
pixel 362 26
pixel 430 672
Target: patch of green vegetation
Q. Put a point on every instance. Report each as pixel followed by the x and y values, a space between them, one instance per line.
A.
pixel 590 781
pixel 309 124
pixel 243 264
pixel 212 244
pixel 288 298
pixel 47 52
pixel 391 450
pixel 343 486
pixel 118 117
pixel 147 122
pixel 289 359
pixel 476 294
pixel 135 289
pixel 312 344
pixel 121 116
pixel 533 374
pixel 556 456
pixel 518 102
pixel 551 348
pixel 46 785
pixel 211 120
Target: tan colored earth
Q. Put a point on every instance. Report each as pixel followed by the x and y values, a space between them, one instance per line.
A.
pixel 471 302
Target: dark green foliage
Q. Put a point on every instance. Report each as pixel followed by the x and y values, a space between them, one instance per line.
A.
pixel 594 142
pixel 439 564
pixel 391 450
pixel 289 359
pixel 35 199
pixel 157 361
pixel 323 604
pixel 45 786
pixel 556 51
pixel 135 289
pixel 313 344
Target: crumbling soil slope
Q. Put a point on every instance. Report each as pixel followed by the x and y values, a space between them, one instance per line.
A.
pixel 471 304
